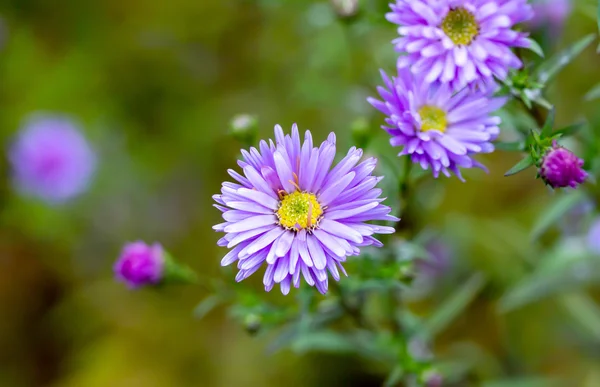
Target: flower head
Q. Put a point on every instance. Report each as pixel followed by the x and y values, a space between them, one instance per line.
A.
pixel 560 168
pixel 293 213
pixel 51 159
pixel 459 41
pixel 140 264
pixel 437 128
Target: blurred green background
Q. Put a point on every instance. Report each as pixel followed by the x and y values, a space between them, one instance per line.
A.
pixel 155 85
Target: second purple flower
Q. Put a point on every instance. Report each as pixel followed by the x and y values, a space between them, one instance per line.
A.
pixel 438 129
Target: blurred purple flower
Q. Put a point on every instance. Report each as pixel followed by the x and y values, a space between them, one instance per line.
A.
pixel 460 41
pixel 574 221
pixel 560 168
pixel 439 129
pixel 140 264
pixel 51 159
pixel 438 262
pixel 551 13
pixel 593 237
pixel 295 215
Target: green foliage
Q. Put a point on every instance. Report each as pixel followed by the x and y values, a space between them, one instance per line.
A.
pixel 155 85
pixel 556 211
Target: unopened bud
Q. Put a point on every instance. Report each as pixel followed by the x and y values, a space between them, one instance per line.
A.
pixel 560 168
pixel 244 128
pixel 345 8
pixel 252 323
pixel 361 132
pixel 140 265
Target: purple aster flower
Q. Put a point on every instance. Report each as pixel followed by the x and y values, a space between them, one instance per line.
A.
pixel 560 168
pixel 293 213
pixel 437 128
pixel 51 159
pixel 550 13
pixel 140 264
pixel 459 41
pixel 593 237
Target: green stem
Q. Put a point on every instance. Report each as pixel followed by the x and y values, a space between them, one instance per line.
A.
pixel 404 190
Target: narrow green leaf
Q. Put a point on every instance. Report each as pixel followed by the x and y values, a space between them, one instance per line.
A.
pixel 593 94
pixel 569 130
pixel 573 276
pixel 583 310
pixel 551 215
pixel 525 382
pixel 517 146
pixel 535 47
pixel 452 307
pixel 394 378
pixel 324 341
pixel 543 102
pixel 520 166
pixel 206 306
pixel 549 124
pixel 556 63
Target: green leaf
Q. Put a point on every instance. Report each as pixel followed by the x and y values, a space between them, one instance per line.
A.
pixel 549 124
pixel 525 382
pixel 535 47
pixel 394 378
pixel 569 130
pixel 554 65
pixel 176 273
pixel 521 166
pixel 593 94
pixel 517 146
pixel 452 307
pixel 560 272
pixel 543 102
pixel 584 310
pixel 551 215
pixel 324 341
pixel 207 305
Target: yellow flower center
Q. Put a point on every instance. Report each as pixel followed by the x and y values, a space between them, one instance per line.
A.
pixel 433 118
pixel 299 210
pixel 460 26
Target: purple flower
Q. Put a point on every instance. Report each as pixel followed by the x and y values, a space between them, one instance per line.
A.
pixel 438 262
pixel 51 159
pixel 550 12
pixel 140 264
pixel 459 41
pixel 560 168
pixel 294 214
pixel 593 237
pixel 437 128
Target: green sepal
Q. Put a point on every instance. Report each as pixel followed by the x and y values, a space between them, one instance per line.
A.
pixel 522 165
pixel 175 273
pixel 535 47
